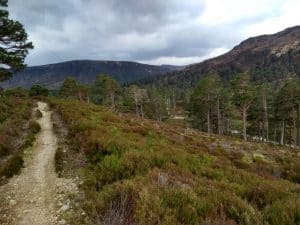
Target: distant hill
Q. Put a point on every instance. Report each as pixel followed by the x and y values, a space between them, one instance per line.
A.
pixel 84 71
pixel 267 58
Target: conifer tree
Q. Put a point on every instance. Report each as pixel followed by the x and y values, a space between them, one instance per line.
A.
pixel 69 88
pixel 243 95
pixel 204 99
pixel 13 44
pixel 105 90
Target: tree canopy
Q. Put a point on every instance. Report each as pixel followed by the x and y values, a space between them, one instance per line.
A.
pixel 13 44
pixel 69 88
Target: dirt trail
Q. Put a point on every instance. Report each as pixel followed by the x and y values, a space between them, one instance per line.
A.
pixel 32 195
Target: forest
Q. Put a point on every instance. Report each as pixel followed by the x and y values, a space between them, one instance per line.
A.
pixel 242 108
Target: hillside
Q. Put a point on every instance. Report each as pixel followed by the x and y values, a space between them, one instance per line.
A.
pixel 84 71
pixel 143 172
pixel 267 58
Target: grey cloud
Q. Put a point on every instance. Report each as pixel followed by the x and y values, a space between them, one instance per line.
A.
pixel 136 30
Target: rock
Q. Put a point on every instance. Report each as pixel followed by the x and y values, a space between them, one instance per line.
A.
pixel 65 208
pixel 62 222
pixel 26 211
pixel 12 202
pixel 162 179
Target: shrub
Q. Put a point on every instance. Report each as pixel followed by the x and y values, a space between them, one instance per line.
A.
pixel 264 194
pixel 38 114
pixel 283 212
pixel 37 90
pixel 17 92
pixel 12 166
pixel 29 141
pixel 4 150
pixel 34 127
pixel 59 157
pixel 192 180
pixel 183 203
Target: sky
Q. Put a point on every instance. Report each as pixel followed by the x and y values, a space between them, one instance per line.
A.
pixel 175 32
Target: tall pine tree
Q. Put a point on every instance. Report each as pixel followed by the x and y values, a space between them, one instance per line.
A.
pixel 243 96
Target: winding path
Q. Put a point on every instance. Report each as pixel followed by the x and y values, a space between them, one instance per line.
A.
pixel 32 193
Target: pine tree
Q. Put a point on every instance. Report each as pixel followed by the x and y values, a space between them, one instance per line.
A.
pixel 204 99
pixel 13 44
pixel 139 96
pixel 287 105
pixel 37 90
pixel 69 88
pixel 243 96
pixel 105 90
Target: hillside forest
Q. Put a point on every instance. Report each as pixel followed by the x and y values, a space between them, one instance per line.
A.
pixel 255 111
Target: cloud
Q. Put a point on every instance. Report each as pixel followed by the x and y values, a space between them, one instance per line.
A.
pixel 160 32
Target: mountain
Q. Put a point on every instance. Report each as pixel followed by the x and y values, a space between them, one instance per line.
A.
pixel 266 58
pixel 84 71
pixel 172 67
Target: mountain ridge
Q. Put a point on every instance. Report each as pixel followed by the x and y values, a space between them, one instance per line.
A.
pixel 266 57
pixel 84 71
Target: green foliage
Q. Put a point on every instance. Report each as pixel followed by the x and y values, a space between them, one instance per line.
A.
pixel 69 88
pixel 59 158
pixel 37 90
pixel 34 127
pixel 17 92
pixel 210 105
pixel 12 166
pixel 243 91
pixel 287 109
pixel 38 114
pixel 14 45
pixel 104 90
pixel 285 212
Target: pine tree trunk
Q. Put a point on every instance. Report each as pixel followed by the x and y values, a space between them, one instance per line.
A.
pixel 245 123
pixel 137 110
pixel 219 117
pixel 261 134
pixel 142 111
pixel 228 126
pixel 136 104
pixel 80 96
pixel 275 135
pixel 174 99
pixel 297 126
pixel 294 130
pixel 112 99
pixel 168 99
pixel 208 116
pixel 282 133
pixel 208 122
pixel 262 130
pixel 266 116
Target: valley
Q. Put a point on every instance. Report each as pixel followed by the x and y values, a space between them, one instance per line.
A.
pixel 165 132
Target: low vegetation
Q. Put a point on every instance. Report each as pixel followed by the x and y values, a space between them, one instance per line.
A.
pixel 16 133
pixel 138 171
